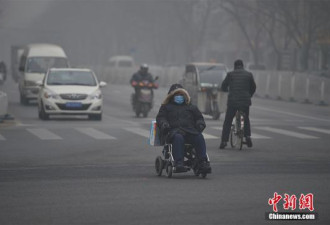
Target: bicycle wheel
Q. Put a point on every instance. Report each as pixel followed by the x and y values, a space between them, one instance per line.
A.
pixel 240 142
pixel 233 136
pixel 241 130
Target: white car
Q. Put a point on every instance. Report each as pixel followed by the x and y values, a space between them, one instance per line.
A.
pixel 68 91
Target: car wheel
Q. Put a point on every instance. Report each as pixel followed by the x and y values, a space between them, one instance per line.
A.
pixel 98 116
pixel 95 116
pixel 42 114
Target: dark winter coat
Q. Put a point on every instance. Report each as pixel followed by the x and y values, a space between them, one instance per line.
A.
pixel 139 76
pixel 241 87
pixel 185 118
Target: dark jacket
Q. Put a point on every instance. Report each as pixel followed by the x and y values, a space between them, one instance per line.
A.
pixel 139 76
pixel 241 87
pixel 185 118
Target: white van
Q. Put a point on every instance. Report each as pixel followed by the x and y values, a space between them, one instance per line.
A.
pixel 121 69
pixel 34 63
pixel 122 61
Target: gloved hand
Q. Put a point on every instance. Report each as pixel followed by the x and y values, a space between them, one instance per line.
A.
pixel 200 127
pixel 165 126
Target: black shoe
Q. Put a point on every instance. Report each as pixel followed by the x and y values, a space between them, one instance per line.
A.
pixel 204 166
pixel 248 142
pixel 223 145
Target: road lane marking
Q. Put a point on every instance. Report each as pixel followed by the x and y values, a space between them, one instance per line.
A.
pixel 139 131
pixel 2 138
pixel 43 134
pixel 91 132
pixel 217 128
pixel 259 136
pixel 320 130
pixel 253 135
pixel 286 132
pixel 120 120
pixel 209 136
pixel 145 133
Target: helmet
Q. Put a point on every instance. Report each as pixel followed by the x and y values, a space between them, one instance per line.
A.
pixel 144 68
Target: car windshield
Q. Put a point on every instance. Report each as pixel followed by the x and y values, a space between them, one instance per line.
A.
pixel 82 78
pixel 42 64
pixel 211 74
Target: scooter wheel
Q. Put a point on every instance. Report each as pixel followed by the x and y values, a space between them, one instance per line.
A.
pixel 215 115
pixel 145 114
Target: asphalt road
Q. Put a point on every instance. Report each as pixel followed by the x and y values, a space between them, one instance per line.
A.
pixel 70 170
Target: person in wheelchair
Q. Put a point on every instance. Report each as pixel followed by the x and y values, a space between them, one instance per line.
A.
pixel 182 123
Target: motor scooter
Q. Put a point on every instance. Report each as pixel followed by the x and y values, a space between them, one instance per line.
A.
pixel 142 99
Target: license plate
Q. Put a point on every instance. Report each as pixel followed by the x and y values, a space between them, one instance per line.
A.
pixel 73 104
pixel 145 91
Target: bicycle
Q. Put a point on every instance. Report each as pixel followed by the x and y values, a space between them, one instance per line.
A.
pixel 237 130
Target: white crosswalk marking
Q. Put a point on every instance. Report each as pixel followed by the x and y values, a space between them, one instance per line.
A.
pixel 253 135
pixel 259 136
pixel 145 133
pixel 217 128
pixel 208 136
pixel 95 133
pixel 2 138
pixel 320 130
pixel 286 132
pixel 43 134
pixel 139 131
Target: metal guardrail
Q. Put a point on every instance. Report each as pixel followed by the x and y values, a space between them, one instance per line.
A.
pixel 291 86
pixel 281 85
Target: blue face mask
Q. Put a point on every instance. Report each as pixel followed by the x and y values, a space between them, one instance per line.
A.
pixel 179 99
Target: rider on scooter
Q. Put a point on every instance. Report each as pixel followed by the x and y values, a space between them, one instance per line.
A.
pixel 139 76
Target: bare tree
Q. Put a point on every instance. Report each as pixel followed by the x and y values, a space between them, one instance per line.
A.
pixel 193 17
pixel 247 18
pixel 304 21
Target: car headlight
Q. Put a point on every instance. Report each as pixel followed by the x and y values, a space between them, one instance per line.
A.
pixel 50 94
pixel 96 95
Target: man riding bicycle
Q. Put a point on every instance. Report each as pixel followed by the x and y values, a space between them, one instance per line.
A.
pixel 240 86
